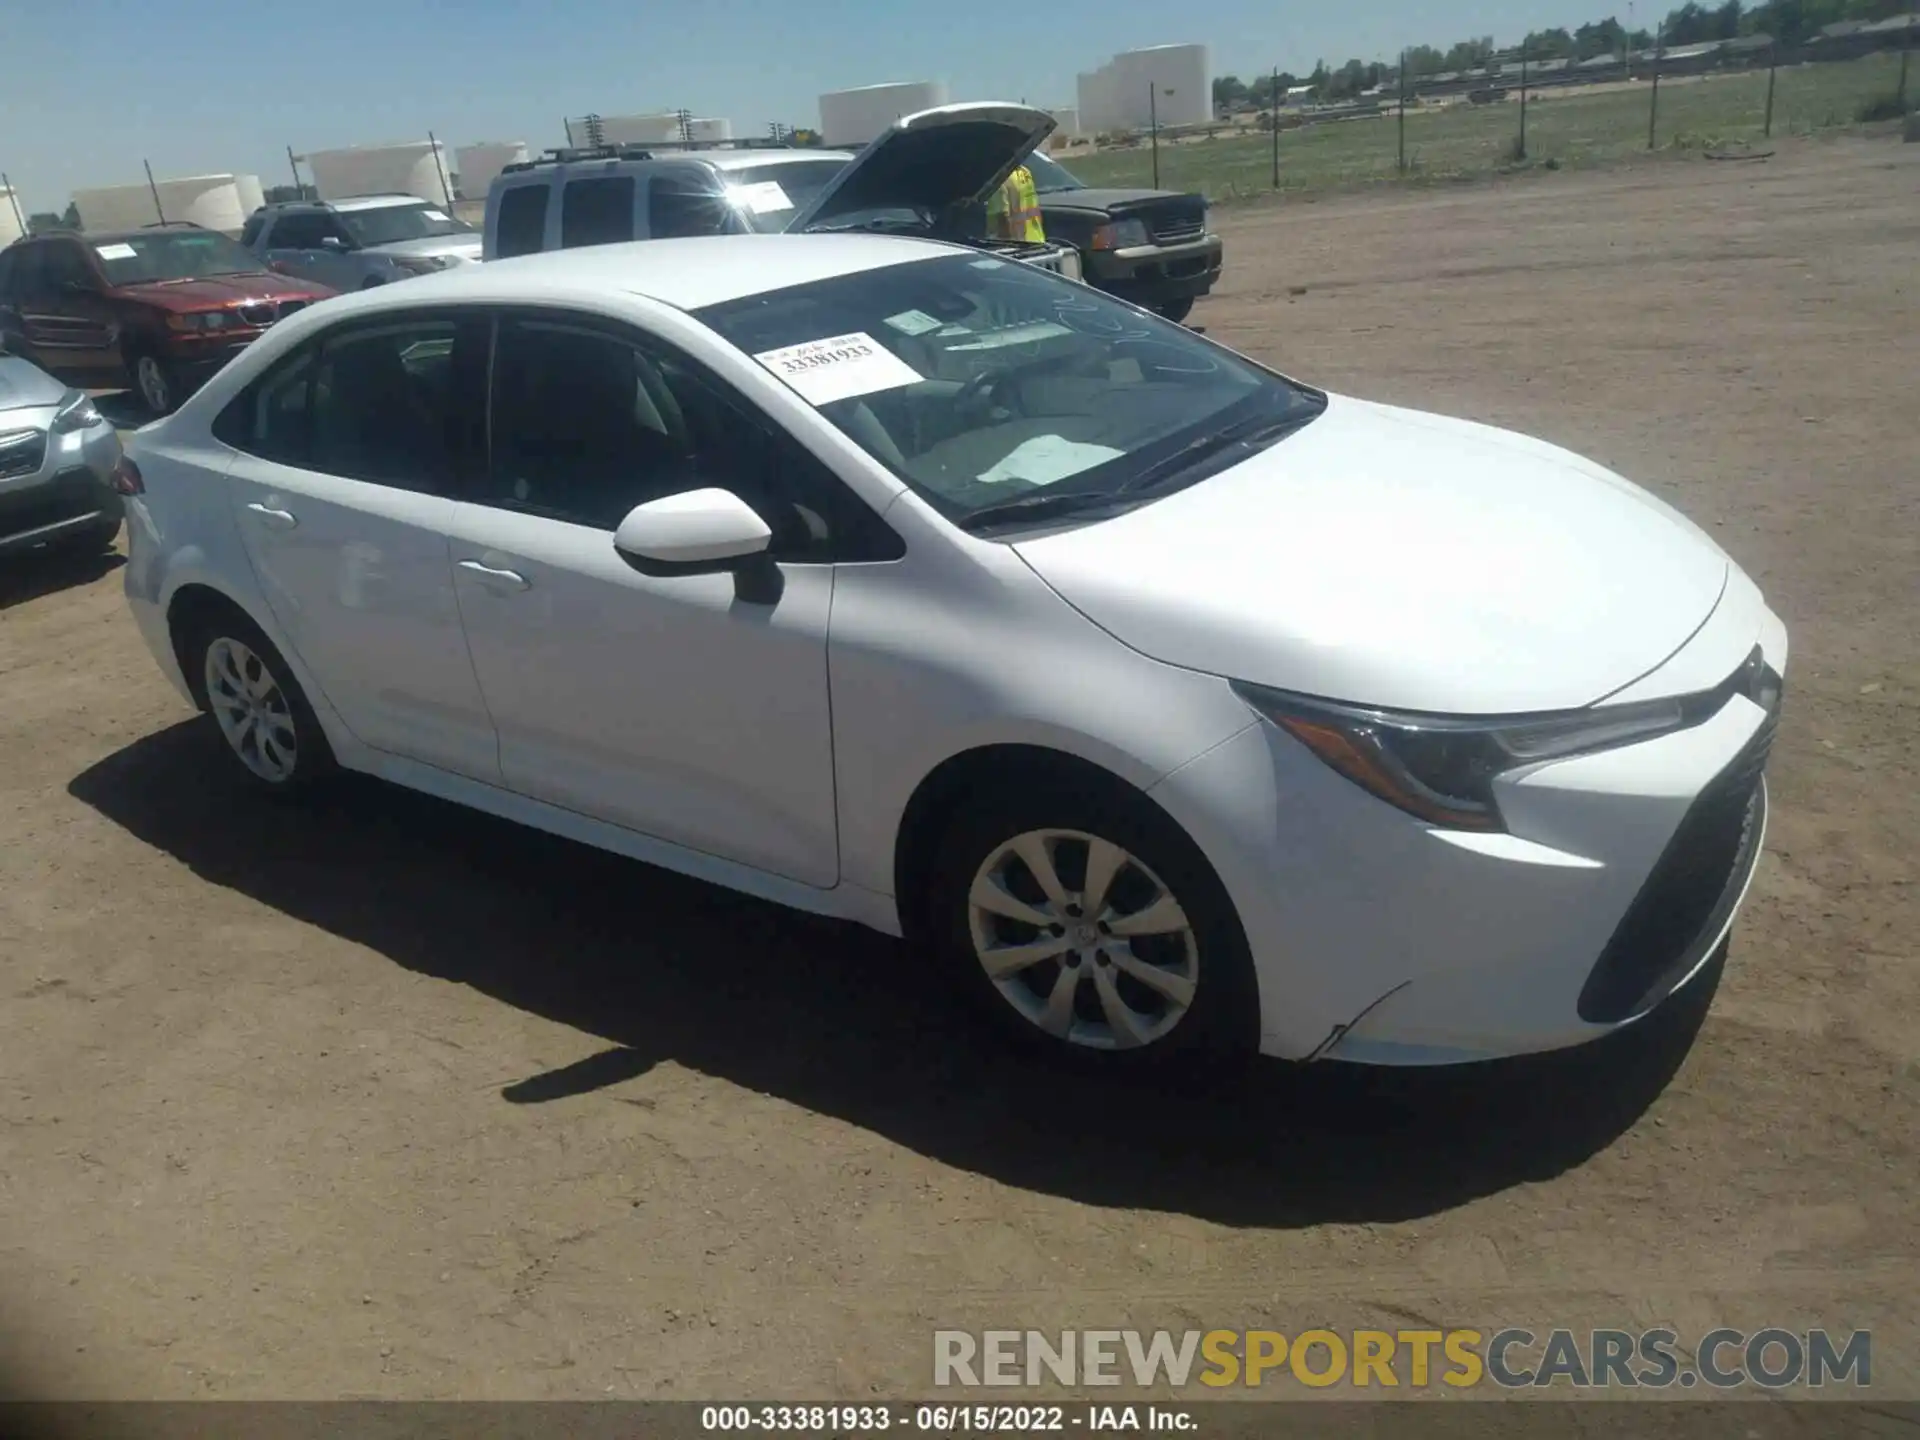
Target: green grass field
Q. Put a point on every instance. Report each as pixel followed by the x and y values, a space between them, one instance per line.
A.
pixel 1465 140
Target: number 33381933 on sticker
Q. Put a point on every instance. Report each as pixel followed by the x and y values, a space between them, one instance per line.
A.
pixel 838 367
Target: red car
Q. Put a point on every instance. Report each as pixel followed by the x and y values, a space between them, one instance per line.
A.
pixel 157 310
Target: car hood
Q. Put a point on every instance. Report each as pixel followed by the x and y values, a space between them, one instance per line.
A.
pixel 934 161
pixel 24 384
pixel 1390 558
pixel 213 290
pixel 467 247
pixel 1090 198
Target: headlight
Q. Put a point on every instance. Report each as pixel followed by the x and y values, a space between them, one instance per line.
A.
pixel 420 264
pixel 1442 770
pixel 200 320
pixel 77 411
pixel 1120 234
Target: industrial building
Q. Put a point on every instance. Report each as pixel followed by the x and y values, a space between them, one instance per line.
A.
pixel 217 202
pixel 663 128
pixel 417 167
pixel 476 165
pixel 1166 84
pixel 850 118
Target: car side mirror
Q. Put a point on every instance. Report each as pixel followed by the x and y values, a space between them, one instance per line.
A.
pixel 701 532
pixel 332 242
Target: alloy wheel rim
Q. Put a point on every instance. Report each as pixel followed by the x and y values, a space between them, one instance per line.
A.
pixel 252 711
pixel 1083 939
pixel 153 384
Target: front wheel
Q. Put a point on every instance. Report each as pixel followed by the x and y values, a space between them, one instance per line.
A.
pixel 1176 310
pixel 1088 925
pixel 257 705
pixel 158 386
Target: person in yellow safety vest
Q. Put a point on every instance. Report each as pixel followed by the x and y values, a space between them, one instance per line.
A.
pixel 1014 211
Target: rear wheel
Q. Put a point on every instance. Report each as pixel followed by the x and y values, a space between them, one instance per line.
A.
pixel 1087 925
pixel 1176 310
pixel 260 711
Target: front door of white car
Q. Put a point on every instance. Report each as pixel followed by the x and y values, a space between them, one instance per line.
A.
pixel 341 493
pixel 691 708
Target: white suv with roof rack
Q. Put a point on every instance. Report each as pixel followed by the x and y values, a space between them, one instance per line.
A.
pixel 929 175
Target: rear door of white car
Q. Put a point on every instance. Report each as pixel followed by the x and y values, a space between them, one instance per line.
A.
pixel 676 707
pixel 342 487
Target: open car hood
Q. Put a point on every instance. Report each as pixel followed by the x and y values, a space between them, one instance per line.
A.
pixel 935 161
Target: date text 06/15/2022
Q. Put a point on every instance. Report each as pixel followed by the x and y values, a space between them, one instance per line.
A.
pixel 853 1420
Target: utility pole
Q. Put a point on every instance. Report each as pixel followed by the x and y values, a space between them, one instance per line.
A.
pixel 1906 50
pixel 1521 153
pixel 1653 107
pixel 156 194
pixel 1403 111
pixel 1153 130
pixel 1273 114
pixel 1773 70
pixel 293 164
pixel 14 199
pixel 446 190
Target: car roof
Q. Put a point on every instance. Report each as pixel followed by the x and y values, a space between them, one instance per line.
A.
pixel 741 159
pixel 684 273
pixel 373 202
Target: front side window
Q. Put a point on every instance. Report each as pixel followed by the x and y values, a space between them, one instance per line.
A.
pixel 588 424
pixel 303 230
pixel 1050 176
pixel 390 224
pixel 66 269
pixel 159 255
pixel 684 204
pixel 767 197
pixel 597 211
pixel 980 381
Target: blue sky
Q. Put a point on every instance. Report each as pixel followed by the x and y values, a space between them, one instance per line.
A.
pixel 90 87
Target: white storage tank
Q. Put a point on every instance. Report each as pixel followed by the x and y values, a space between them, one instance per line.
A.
pixel 850 118
pixel 115 207
pixel 252 194
pixel 212 201
pixel 13 215
pixel 415 167
pixel 1067 117
pixel 477 165
pixel 1170 84
pixel 623 129
pixel 711 129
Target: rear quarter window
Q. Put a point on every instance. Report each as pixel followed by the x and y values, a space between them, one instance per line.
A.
pixel 521 225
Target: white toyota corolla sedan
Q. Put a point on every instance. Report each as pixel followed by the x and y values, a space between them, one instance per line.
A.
pixel 1177 706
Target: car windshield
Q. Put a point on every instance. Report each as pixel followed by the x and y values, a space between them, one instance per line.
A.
pixel 767 197
pixel 982 381
pixel 388 224
pixel 1050 175
pixel 153 255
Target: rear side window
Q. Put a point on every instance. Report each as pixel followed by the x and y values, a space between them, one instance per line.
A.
pixel 521 228
pixel 596 212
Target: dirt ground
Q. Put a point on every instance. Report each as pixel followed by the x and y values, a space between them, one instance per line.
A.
pixel 391 1100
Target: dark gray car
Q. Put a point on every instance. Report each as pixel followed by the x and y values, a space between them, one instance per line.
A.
pixel 58 457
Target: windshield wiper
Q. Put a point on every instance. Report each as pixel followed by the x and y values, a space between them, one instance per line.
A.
pixel 1249 435
pixel 1037 505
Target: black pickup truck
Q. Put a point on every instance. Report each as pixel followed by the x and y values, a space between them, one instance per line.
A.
pixel 1148 246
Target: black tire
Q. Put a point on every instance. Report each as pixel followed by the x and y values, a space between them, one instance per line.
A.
pixel 160 390
pixel 1176 310
pixel 1221 1025
pixel 312 757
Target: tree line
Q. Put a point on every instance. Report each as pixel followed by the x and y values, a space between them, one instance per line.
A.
pixel 1791 22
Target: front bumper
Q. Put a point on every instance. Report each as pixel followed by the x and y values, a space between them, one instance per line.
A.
pixel 68 493
pixel 1154 274
pixel 1382 940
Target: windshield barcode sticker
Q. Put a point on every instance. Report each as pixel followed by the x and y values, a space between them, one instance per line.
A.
pixel 839 367
pixel 114 252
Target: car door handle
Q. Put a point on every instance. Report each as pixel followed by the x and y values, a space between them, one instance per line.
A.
pixel 506 579
pixel 279 519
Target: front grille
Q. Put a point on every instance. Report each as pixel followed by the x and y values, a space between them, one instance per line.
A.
pixel 22 452
pixel 262 313
pixel 1175 230
pixel 1689 893
pixel 287 307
